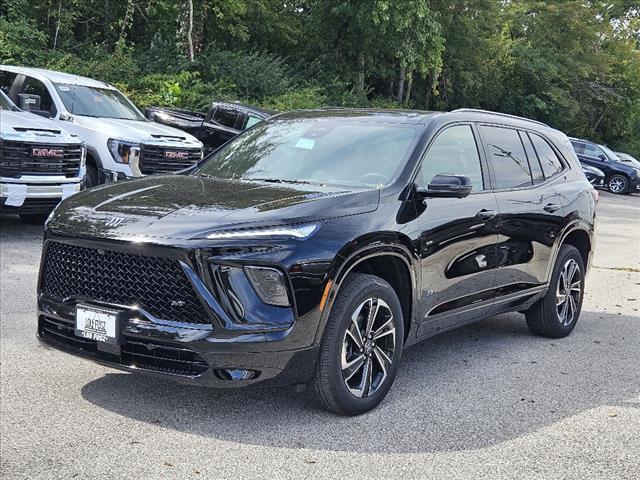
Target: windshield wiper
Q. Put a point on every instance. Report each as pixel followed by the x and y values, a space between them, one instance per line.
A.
pixel 280 180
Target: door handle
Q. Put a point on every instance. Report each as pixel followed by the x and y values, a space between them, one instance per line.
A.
pixel 486 214
pixel 551 207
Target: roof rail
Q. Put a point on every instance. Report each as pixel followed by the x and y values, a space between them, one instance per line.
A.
pixel 508 115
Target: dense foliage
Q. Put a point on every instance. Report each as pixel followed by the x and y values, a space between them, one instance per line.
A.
pixel 574 64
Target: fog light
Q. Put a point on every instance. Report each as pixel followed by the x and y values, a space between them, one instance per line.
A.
pixel 269 284
pixel 235 374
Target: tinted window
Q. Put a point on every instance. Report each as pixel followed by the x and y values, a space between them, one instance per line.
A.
pixel 225 117
pixel 578 147
pixel 548 159
pixel 454 151
pixel 36 87
pixel 507 157
pixel 332 151
pixel 592 150
pixel 534 163
pixel 6 80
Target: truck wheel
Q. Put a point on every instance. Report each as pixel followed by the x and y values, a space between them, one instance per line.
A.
pixel 34 218
pixel 618 184
pixel 362 347
pixel 556 314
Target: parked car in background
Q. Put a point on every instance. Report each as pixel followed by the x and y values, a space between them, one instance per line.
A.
pixel 628 160
pixel 121 142
pixel 619 178
pixel 594 175
pixel 213 128
pixel 319 245
pixel 40 163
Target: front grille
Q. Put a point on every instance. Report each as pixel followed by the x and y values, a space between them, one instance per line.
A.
pixel 155 284
pixel 17 158
pixel 161 159
pixel 33 205
pixel 150 355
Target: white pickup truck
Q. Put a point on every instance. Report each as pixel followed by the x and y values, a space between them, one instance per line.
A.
pixel 40 163
pixel 121 142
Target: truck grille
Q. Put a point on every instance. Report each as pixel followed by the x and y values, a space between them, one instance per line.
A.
pixel 161 159
pixel 20 158
pixel 155 284
pixel 149 355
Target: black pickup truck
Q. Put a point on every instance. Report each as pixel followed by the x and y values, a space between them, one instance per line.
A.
pixel 213 128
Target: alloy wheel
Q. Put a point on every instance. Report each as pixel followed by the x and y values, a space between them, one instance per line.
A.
pixel 568 292
pixel 368 347
pixel 617 185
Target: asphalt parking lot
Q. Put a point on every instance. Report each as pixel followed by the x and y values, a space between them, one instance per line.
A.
pixel 486 401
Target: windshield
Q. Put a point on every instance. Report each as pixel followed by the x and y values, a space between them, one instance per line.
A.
pixel 97 102
pixel 6 103
pixel 331 151
pixel 610 153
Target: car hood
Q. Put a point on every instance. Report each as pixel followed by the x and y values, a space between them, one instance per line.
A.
pixel 138 131
pixel 186 206
pixel 27 127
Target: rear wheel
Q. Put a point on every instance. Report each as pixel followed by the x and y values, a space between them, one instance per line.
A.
pixel 556 314
pixel 618 184
pixel 362 346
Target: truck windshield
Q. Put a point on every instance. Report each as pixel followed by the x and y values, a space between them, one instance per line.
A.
pixel 6 103
pixel 610 153
pixel 331 151
pixel 97 102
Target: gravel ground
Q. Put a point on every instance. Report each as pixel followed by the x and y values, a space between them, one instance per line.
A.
pixel 485 401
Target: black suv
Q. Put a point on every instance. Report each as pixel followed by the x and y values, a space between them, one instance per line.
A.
pixel 619 178
pixel 317 246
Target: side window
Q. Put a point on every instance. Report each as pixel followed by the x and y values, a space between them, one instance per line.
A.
pixel 592 151
pixel 36 87
pixel 507 157
pixel 6 80
pixel 454 151
pixel 534 162
pixel 578 147
pixel 225 117
pixel 548 159
pixel 252 120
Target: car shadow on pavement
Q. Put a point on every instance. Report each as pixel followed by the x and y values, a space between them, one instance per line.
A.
pixel 471 388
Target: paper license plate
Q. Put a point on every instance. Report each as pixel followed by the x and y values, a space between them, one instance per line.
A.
pixel 97 324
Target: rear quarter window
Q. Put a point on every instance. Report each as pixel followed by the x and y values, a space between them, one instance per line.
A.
pixel 549 160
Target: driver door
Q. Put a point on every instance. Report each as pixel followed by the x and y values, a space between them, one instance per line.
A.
pixel 458 238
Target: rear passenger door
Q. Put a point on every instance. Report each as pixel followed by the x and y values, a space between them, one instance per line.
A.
pixel 524 171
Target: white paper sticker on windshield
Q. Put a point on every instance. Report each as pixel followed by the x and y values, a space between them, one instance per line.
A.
pixel 305 143
pixel 63 88
pixel 15 195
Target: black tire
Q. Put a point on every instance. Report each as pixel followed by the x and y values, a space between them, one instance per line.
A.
pixel 618 184
pixel 91 179
pixel 329 386
pixel 545 317
pixel 34 218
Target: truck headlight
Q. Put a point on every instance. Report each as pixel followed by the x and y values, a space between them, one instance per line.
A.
pixel 297 232
pixel 270 285
pixel 123 151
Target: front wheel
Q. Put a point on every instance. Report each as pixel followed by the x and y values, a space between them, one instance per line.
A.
pixel 362 347
pixel 556 314
pixel 618 184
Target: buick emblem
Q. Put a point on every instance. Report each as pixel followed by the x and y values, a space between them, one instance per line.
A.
pixel 47 152
pixel 176 155
pixel 114 221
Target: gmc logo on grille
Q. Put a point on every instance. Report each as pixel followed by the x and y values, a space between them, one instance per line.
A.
pixel 176 155
pixel 47 152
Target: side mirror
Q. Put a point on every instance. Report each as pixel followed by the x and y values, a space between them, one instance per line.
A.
pixel 447 186
pixel 602 157
pixel 29 102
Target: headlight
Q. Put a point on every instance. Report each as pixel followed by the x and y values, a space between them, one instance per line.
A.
pixel 298 232
pixel 123 151
pixel 269 284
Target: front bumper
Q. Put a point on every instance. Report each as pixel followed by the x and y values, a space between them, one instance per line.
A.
pixel 221 353
pixel 42 194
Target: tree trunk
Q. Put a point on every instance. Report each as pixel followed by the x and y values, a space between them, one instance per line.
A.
pixel 55 37
pixel 427 99
pixel 400 92
pixel 127 19
pixel 190 31
pixel 360 81
pixel 407 93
